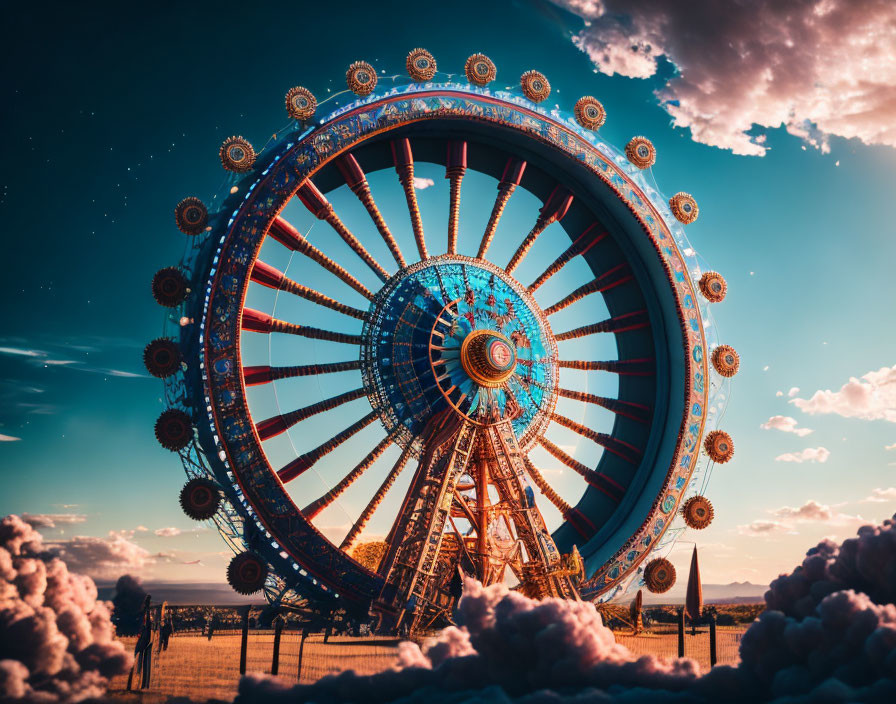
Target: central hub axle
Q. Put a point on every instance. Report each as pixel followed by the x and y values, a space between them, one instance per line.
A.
pixel 488 358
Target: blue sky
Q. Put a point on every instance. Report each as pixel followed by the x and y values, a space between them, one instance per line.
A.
pixel 124 117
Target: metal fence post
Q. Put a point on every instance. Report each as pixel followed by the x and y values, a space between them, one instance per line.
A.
pixel 712 638
pixel 278 630
pixel 244 641
pixel 301 648
pixel 681 633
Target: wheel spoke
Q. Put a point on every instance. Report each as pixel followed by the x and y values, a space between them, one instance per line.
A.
pixel 554 208
pixel 611 279
pixel 454 171
pixel 305 462
pixel 314 508
pixel 278 424
pixel 580 246
pixel 318 204
pixel 374 502
pixel 266 374
pixel 290 237
pixel 256 321
pixel 627 409
pixel 623 367
pixel 573 516
pixel 356 180
pixel 267 275
pixel 599 481
pixel 404 165
pixel 620 323
pixel 510 179
pixel 618 447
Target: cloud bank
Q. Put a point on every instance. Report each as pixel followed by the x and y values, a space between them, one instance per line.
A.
pixel 56 639
pixel 810 454
pixel 785 424
pixel 819 68
pixel 871 397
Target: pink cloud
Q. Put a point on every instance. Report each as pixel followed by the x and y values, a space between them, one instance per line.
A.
pixel 819 69
pixel 871 397
pixel 785 424
pixel 810 454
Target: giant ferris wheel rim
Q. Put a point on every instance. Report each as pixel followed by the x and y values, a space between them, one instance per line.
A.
pixel 454 91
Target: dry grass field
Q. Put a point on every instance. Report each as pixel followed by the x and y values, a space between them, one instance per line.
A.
pixel 196 667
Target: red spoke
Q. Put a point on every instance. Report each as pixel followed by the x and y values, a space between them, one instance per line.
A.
pixel 404 165
pixel 599 481
pixel 277 424
pixel 304 462
pixel 377 499
pixel 267 275
pixel 356 180
pixel 314 508
pixel 618 447
pixel 573 516
pixel 554 208
pixel 623 367
pixel 580 246
pixel 288 236
pixel 621 323
pixel 627 409
pixel 456 167
pixel 318 204
pixel 256 321
pixel 510 179
pixel 265 374
pixel 602 283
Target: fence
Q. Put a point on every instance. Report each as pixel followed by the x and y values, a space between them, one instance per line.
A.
pixel 201 668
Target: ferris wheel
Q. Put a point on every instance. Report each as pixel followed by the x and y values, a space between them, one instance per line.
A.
pixel 377 387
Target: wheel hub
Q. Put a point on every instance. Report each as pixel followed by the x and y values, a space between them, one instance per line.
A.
pixel 488 358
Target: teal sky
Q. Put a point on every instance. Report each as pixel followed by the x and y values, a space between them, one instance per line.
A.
pixel 113 116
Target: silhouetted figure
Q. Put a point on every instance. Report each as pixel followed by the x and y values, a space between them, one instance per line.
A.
pixel 166 632
pixel 143 649
pixel 212 624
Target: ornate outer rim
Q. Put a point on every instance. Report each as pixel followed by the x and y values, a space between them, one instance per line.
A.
pixel 245 232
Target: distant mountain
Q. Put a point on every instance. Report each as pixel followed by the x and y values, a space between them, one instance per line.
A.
pixel 176 594
pixel 734 593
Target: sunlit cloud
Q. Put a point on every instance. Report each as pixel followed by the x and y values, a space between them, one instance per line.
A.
pixel 9 438
pixel 52 520
pixel 785 424
pixel 744 68
pixel 879 496
pixel 422 184
pixel 810 454
pixel 871 397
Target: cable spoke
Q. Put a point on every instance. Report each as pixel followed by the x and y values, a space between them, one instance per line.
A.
pixel 256 321
pixel 599 481
pixel 265 374
pixel 404 165
pixel 278 424
pixel 314 508
pixel 620 323
pixel 304 462
pixel 510 179
pixel 318 204
pixel 618 447
pixel 580 246
pixel 356 180
pixel 266 275
pixel 627 409
pixel 455 169
pixel 573 516
pixel 623 367
pixel 374 502
pixel 554 208
pixel 602 283
pixel 290 237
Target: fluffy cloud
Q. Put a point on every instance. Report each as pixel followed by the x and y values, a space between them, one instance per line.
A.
pixel 879 496
pixel 871 397
pixel 52 520
pixel 794 390
pixel 169 532
pixel 828 635
pixel 890 447
pixel 762 528
pixel 786 518
pixel 423 183
pixel 57 642
pixel 817 67
pixel 809 511
pixel 102 558
pixel 810 454
pixel 785 424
